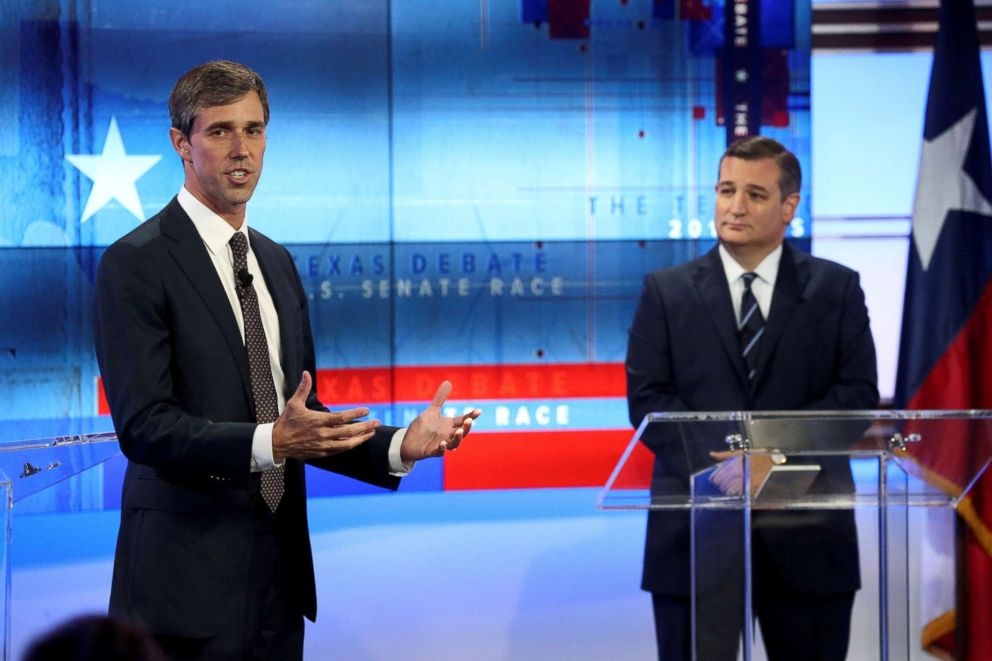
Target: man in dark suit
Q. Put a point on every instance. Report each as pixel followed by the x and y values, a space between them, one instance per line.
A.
pixel 693 347
pixel 204 344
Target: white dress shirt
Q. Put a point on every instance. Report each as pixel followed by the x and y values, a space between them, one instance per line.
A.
pixel 216 234
pixel 762 287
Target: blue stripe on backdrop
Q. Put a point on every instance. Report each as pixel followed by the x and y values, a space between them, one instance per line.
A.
pixel 43 539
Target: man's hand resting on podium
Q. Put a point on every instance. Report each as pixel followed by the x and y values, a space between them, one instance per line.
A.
pixel 729 474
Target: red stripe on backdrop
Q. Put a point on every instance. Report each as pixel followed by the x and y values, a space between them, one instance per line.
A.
pixel 379 385
pixel 506 460
pixel 102 408
pixel 636 473
pixel 526 460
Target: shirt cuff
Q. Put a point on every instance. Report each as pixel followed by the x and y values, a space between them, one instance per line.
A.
pixel 397 466
pixel 261 449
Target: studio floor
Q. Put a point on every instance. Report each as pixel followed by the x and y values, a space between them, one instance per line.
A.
pixel 471 575
pixel 496 575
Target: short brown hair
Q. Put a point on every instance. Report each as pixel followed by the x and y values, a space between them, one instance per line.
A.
pixel 216 83
pixel 757 148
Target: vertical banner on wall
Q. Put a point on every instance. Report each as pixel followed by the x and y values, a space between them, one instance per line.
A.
pixel 947 323
pixel 742 68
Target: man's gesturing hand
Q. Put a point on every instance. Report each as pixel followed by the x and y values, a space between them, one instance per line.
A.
pixel 300 433
pixel 431 434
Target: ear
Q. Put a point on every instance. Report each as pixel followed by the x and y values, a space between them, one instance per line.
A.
pixel 180 143
pixel 789 206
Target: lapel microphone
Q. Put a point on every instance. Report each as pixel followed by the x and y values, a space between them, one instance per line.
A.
pixel 244 277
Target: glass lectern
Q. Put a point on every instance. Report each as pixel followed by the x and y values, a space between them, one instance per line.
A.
pixel 27 467
pixel 806 473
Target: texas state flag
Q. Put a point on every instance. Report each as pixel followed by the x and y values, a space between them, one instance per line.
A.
pixel 945 357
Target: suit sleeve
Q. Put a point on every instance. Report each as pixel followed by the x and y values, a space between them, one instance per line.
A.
pixel 855 383
pixel 650 379
pixel 651 385
pixel 135 347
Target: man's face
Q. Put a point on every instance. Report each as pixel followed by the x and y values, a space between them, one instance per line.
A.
pixel 222 155
pixel 750 211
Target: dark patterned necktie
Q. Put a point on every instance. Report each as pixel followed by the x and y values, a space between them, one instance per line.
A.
pixel 262 387
pixel 752 326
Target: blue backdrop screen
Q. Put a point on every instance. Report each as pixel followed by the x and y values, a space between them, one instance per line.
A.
pixel 470 190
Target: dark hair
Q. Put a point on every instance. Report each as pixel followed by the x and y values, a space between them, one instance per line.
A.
pixel 757 148
pixel 216 83
pixel 96 637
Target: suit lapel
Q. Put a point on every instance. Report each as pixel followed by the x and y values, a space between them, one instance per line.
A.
pixel 279 282
pixel 191 255
pixel 793 273
pixel 710 282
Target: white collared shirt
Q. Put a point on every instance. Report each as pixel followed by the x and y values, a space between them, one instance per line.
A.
pixel 762 287
pixel 216 234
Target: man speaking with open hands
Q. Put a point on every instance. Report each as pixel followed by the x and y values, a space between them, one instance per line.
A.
pixel 202 330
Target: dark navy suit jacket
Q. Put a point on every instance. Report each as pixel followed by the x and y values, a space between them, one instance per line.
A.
pixel 817 353
pixel 175 371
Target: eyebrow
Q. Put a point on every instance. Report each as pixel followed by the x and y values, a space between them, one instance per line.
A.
pixel 750 187
pixel 230 124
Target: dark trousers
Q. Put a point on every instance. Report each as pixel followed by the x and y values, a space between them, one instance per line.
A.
pixel 793 625
pixel 272 627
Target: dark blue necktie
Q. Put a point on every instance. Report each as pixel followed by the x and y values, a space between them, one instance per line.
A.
pixel 752 326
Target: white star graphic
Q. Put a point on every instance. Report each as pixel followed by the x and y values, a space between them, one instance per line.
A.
pixel 113 173
pixel 944 186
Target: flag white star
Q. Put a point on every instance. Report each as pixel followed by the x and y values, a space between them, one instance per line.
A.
pixel 944 186
pixel 114 174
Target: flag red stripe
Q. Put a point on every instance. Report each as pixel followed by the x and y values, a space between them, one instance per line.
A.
pixel 960 379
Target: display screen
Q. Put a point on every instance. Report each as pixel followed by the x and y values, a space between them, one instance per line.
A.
pixel 470 190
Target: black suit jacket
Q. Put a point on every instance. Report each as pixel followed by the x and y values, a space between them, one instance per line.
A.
pixel 817 353
pixel 176 375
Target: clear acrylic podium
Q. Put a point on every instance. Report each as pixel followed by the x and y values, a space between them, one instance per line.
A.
pixel 27 467
pixel 807 474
